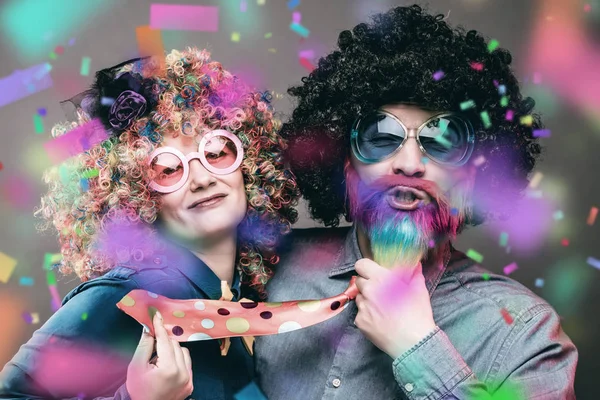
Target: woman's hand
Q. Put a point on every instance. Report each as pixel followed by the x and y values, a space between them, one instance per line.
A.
pixel 167 378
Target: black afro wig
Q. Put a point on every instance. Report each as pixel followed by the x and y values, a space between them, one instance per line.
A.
pixel 393 60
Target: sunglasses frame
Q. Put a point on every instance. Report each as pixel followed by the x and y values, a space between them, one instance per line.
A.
pixel 185 160
pixel 461 162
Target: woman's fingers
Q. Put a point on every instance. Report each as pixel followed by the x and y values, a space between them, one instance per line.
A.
pixel 178 353
pixel 187 359
pixel 164 347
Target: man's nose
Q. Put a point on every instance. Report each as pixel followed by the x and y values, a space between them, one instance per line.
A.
pixel 200 177
pixel 409 160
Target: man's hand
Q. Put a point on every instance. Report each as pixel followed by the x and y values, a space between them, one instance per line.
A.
pixel 394 310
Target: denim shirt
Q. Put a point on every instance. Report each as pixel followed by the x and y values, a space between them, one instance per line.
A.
pixel 93 341
pixel 494 337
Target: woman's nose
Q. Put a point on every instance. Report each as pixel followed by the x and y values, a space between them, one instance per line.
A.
pixel 200 177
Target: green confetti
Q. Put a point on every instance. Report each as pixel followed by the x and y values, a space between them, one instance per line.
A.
pixel 51 278
pixel 85 66
pixel 90 173
pixel 472 254
pixel 268 35
pixel 504 101
pixel 50 259
pixel 503 239
pixel 84 316
pixel 486 119
pixel 486 276
pixel 493 45
pixel 38 122
pixel 465 105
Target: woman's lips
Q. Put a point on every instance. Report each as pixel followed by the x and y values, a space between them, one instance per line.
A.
pixel 209 203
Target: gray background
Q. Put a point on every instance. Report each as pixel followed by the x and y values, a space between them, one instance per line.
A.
pixel 105 32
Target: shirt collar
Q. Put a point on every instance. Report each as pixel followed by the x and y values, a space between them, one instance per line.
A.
pixel 350 253
pixel 196 270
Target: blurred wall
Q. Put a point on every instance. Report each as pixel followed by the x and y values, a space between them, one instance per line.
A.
pixel 551 242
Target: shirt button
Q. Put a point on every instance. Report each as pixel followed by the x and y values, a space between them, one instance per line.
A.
pixel 409 387
pixel 336 383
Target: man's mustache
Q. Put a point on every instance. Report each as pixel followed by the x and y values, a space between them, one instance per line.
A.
pixel 388 182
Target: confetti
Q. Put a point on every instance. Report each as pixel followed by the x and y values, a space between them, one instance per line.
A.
pixel 150 42
pixel 477 66
pixel 7 267
pixel 479 161
pixel 485 276
pixel 507 317
pixel 510 268
pixel 235 36
pixel 268 35
pixel 465 105
pixel 587 8
pixel 541 133
pixel 260 2
pixel 106 101
pixel 85 66
pixel 307 64
pixel 84 316
pixel 23 83
pixel 59 50
pixel 84 185
pixel 55 303
pixel 27 317
pixel 503 239
pixel 90 173
pixel 535 180
pixel 175 17
pixel 593 262
pixel 502 89
pixel 592 217
pixel 454 211
pixel 299 29
pixel 493 45
pixel 424 160
pixel 243 6
pixel 558 215
pixel 486 119
pixel 539 282
pixel 504 101
pixel 297 17
pixel 472 254
pixel 52 55
pixel 38 123
pixel 438 75
pixel 308 54
pixel 35 318
pixel 564 242
pixel 51 259
pixel 71 41
pixel 1 166
pixel 75 141
pixel 26 281
pixel 509 115
pixel 526 120
pixel 537 78
pixel 293 4
pixel 272 50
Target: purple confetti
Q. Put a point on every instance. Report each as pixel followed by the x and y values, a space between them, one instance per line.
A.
pixel 41 112
pixel 541 133
pixel 510 268
pixel 438 75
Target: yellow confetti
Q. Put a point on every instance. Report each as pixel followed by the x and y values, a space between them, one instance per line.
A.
pixel 7 267
pixel 535 180
pixel 235 37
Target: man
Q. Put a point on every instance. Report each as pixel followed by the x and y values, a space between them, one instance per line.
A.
pixel 412 130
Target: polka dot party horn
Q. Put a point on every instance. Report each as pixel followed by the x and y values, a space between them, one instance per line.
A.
pixel 189 320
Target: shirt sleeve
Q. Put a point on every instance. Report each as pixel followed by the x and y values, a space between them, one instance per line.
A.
pixel 538 361
pixel 82 351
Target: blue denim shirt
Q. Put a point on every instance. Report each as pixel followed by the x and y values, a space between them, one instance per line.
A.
pixel 113 335
pixel 472 354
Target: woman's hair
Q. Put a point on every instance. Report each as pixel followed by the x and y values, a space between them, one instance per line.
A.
pixel 393 60
pixel 194 95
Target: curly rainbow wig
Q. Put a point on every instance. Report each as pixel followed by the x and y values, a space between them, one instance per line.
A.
pixel 392 60
pixel 192 96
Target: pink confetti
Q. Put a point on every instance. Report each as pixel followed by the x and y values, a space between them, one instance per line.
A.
pixel 477 66
pixel 76 141
pixel 507 317
pixel 308 54
pixel 537 78
pixel 297 17
pixel 592 217
pixel 438 75
pixel 184 17
pixel 509 115
pixel 510 268
pixel 307 64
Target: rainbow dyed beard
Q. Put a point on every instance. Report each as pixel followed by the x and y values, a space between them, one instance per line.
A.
pixel 403 238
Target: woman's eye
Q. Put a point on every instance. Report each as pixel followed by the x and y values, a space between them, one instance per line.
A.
pixel 214 156
pixel 169 171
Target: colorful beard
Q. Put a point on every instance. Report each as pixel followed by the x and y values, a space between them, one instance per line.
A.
pixel 403 237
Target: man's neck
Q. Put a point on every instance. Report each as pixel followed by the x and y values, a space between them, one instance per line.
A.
pixel 364 244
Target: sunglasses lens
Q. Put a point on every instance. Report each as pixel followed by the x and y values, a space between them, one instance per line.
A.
pixel 378 136
pixel 220 152
pixel 167 169
pixel 446 139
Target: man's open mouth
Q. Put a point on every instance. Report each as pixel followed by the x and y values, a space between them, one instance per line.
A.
pixel 406 198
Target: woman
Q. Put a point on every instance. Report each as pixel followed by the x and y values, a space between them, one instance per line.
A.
pixel 187 191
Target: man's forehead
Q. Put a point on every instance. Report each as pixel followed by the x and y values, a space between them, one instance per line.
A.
pixel 411 115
